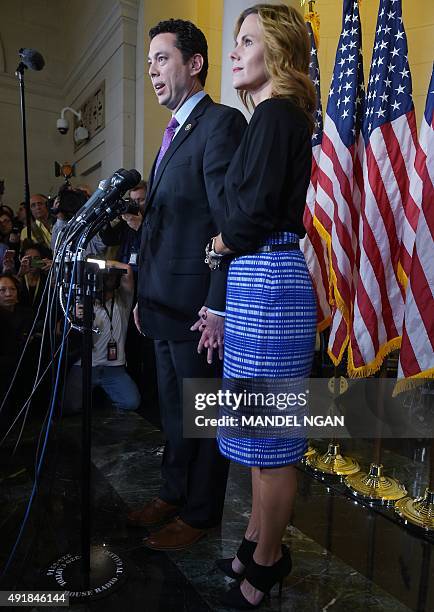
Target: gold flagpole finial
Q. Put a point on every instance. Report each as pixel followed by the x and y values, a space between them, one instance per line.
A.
pixel 312 17
pixel 310 5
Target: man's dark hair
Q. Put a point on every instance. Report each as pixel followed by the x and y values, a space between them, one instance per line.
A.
pixel 189 40
pixel 5 211
pixel 70 201
pixel 140 185
pixel 44 251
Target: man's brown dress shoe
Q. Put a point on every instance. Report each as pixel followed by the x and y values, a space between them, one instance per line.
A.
pixel 176 535
pixel 154 512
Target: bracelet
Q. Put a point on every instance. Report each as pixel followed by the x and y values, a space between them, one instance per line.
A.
pixel 212 258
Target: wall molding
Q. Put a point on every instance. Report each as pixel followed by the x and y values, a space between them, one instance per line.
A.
pixel 124 13
pixel 9 81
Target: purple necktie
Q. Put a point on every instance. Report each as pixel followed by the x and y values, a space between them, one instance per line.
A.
pixel 169 133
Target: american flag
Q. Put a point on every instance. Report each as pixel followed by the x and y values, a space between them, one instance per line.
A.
pixel 389 212
pixel 337 205
pixel 314 248
pixel 417 350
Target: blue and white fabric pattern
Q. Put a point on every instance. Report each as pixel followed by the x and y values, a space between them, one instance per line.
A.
pixel 270 332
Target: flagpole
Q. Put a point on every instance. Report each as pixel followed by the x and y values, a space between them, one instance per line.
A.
pixel 314 248
pixel 333 463
pixel 373 486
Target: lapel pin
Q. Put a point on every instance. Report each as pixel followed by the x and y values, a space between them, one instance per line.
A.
pixel 188 127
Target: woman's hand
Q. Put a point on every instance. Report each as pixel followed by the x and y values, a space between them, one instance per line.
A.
pixel 212 327
pixel 47 264
pixel 198 326
pixel 24 265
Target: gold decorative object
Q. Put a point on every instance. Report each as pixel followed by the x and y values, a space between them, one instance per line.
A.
pixel 419 511
pixel 374 487
pixel 332 462
pixel 312 17
pixel 337 385
pixel 309 453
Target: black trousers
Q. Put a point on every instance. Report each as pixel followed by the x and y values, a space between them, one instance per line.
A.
pixel 193 470
pixel 140 364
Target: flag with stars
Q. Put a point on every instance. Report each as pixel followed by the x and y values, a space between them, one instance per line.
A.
pixel 390 208
pixel 416 358
pixel 337 205
pixel 314 247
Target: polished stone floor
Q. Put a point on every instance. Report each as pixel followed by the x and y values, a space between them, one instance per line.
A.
pixel 347 556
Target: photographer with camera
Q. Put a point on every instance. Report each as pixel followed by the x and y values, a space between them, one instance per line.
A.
pixel 69 200
pixel 111 312
pixel 126 232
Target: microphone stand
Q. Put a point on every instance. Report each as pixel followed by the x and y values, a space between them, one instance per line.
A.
pixel 20 74
pixel 97 572
pixel 88 289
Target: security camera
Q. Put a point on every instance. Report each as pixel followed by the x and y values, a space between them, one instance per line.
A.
pixel 62 125
pixel 80 134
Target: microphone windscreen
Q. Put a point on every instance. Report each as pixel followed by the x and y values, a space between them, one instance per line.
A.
pixel 32 59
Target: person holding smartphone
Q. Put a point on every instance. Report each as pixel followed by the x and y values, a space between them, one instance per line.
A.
pixel 35 264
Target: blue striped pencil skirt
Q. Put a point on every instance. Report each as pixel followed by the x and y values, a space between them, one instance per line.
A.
pixel 270 331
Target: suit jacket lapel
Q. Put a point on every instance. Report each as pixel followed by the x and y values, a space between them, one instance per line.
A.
pixel 181 136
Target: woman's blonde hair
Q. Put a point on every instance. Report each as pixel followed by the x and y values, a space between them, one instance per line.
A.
pixel 286 57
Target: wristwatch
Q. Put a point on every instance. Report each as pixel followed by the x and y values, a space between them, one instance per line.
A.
pixel 212 258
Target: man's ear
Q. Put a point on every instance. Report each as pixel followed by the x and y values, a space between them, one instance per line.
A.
pixel 196 64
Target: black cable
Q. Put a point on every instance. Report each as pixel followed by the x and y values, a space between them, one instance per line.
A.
pixel 39 466
pixel 79 250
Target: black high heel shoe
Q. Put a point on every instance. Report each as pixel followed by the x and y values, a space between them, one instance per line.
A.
pixel 244 554
pixel 262 578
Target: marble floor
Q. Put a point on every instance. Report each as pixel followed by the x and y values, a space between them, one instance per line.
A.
pixel 347 555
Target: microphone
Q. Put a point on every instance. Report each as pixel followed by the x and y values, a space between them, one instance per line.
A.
pixel 103 201
pixel 31 59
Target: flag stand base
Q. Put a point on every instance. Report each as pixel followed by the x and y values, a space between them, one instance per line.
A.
pixel 374 487
pixel 332 463
pixel 419 511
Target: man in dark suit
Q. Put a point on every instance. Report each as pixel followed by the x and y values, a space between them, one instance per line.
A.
pixel 184 205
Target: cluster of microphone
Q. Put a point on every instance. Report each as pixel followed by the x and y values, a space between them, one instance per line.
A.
pixel 103 206
pixel 106 202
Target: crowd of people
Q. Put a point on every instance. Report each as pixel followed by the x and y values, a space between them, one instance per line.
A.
pixel 230 195
pixel 25 263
